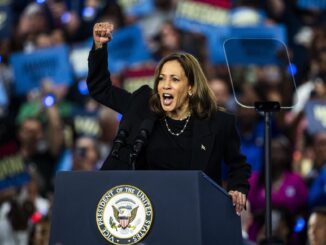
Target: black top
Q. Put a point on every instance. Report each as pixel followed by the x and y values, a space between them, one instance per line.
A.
pixel 167 151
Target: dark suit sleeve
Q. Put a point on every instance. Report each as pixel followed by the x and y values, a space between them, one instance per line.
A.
pixel 100 85
pixel 239 170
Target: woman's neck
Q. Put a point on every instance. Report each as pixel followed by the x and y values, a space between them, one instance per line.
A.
pixel 179 114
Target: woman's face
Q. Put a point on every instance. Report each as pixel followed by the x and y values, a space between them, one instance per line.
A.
pixel 173 88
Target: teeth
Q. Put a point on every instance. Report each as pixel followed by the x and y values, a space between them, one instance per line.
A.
pixel 167 96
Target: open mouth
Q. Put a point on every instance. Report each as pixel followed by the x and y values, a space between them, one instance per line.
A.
pixel 167 99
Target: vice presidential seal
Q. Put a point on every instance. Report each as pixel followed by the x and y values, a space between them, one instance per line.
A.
pixel 124 215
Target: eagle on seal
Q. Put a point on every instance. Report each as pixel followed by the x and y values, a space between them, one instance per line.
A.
pixel 124 215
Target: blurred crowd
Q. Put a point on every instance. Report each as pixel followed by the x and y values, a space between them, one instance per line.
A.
pixel 39 137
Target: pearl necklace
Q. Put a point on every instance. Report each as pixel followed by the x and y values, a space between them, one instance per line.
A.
pixel 181 131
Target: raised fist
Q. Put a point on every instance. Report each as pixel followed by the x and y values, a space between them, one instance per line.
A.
pixel 102 33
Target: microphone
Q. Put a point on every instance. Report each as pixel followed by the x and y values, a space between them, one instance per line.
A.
pixel 120 139
pixel 145 130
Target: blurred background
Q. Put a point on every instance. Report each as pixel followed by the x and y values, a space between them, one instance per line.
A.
pixel 49 123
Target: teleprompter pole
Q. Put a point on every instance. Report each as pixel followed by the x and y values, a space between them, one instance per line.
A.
pixel 267 108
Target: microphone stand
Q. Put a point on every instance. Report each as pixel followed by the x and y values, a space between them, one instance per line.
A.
pixel 267 108
pixel 118 142
pixel 132 159
pixel 137 147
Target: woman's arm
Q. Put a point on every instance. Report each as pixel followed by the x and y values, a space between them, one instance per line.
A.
pixel 98 80
pixel 239 169
pixel 239 173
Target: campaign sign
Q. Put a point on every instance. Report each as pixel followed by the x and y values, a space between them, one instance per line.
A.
pixel 12 172
pixel 219 3
pixel 315 111
pixel 242 52
pixel 78 58
pixel 127 48
pixel 213 21
pixel 311 4
pixel 135 78
pixel 87 125
pixel 5 20
pixel 245 16
pixel 137 7
pixel 199 17
pixel 30 69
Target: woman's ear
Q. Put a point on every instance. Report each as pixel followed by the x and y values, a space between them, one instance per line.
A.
pixel 190 90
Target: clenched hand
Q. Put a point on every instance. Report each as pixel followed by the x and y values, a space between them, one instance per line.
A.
pixel 102 33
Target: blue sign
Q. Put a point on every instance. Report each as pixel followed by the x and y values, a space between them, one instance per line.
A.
pixel 315 111
pixel 5 20
pixel 217 32
pixel 258 51
pixel 137 7
pixel 127 47
pixel 86 124
pixel 311 4
pixel 12 172
pixel 3 94
pixel 30 69
pixel 198 17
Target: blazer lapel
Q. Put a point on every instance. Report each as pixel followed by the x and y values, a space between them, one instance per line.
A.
pixel 202 144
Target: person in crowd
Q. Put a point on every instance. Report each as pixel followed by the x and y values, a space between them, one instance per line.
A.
pixel 251 129
pixel 35 154
pixel 40 137
pixel 32 21
pixel 40 233
pixel 319 157
pixel 289 191
pixel 222 92
pixel 21 207
pixel 86 154
pixel 317 226
pixel 178 119
pixel 170 39
pixel 317 191
pixel 287 229
pixel 246 221
pixel 7 235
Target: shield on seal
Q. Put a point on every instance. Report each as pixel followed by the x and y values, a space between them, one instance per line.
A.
pixel 124 222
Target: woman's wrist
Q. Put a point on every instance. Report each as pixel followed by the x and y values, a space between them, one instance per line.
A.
pixel 98 45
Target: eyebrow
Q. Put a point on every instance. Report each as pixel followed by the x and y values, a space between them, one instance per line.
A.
pixel 172 75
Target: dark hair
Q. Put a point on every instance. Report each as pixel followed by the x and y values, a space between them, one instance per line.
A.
pixel 319 210
pixel 202 102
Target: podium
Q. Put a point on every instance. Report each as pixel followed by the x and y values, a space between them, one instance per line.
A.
pixel 188 208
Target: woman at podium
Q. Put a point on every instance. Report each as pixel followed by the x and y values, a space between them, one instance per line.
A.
pixel 174 126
